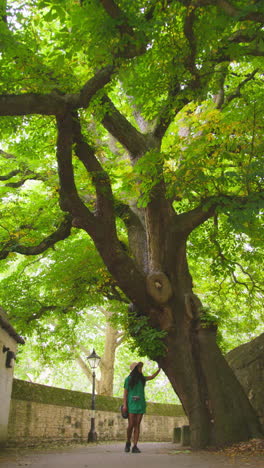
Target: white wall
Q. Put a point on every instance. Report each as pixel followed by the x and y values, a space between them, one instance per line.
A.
pixel 6 380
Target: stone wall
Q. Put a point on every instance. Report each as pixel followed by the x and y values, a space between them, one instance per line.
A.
pixel 247 362
pixel 43 414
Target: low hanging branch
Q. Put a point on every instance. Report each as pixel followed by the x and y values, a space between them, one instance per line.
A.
pixel 26 174
pixel 63 231
pixel 10 175
pixel 31 176
pixel 6 155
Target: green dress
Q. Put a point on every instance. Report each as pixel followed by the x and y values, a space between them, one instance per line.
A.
pixel 135 405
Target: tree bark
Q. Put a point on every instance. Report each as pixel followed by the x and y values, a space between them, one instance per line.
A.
pixel 108 361
pixel 218 410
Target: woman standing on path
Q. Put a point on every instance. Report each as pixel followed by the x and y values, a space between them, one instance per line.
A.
pixel 134 402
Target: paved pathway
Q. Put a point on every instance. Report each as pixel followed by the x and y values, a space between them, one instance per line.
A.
pixel 112 455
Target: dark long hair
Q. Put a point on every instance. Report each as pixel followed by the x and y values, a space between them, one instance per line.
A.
pixel 135 377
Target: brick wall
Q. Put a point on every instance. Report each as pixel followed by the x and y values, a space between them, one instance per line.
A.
pixel 41 414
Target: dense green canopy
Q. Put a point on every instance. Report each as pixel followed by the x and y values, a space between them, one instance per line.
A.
pixel 139 123
pixel 209 151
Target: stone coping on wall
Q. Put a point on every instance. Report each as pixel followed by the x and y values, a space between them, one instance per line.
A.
pixel 28 391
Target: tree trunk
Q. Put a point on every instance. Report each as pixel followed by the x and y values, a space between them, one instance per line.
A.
pixel 108 361
pixel 157 281
pixel 104 385
pixel 218 410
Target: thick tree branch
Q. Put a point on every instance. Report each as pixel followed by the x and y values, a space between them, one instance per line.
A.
pixel 133 44
pixel 136 233
pixel 233 11
pixel 120 265
pixel 242 37
pixel 100 178
pixel 3 15
pixel 225 54
pixel 189 34
pixel 69 198
pixel 245 36
pixel 19 183
pixel 54 103
pixel 42 311
pixel 97 82
pixel 10 175
pixel 134 141
pixel 186 222
pixel 175 102
pixel 113 10
pixel 26 104
pixel 219 98
pixel 6 155
pixel 63 231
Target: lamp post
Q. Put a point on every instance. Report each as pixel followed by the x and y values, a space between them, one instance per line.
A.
pixel 93 360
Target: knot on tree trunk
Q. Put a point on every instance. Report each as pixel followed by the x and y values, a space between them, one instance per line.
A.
pixel 159 287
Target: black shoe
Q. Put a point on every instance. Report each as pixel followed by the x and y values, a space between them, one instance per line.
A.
pixel 135 449
pixel 127 447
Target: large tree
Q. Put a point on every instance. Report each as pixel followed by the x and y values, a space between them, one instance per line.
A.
pixel 155 112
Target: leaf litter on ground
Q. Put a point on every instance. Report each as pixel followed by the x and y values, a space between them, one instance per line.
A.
pixel 252 447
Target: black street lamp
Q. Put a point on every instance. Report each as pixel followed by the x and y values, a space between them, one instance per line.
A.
pixel 93 361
